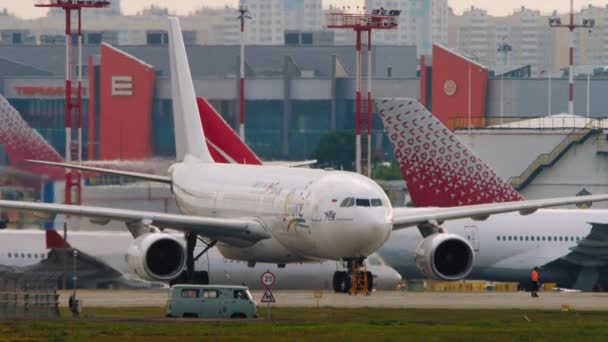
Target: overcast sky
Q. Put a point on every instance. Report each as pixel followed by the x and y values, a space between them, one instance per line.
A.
pixel 25 8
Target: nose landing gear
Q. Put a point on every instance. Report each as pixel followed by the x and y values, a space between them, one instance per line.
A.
pixel 355 280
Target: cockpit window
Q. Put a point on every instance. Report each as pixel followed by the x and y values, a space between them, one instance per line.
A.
pixel 348 202
pixel 363 202
pixel 376 202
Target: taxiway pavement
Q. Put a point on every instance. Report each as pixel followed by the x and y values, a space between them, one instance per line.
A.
pixel 385 299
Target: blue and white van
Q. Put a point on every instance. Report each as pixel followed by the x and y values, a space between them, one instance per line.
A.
pixel 210 301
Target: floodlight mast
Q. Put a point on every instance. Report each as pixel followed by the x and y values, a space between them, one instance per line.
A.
pixel 555 23
pixel 243 15
pixel 378 19
pixel 73 147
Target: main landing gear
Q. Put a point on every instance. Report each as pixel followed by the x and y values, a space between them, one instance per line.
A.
pixel 355 280
pixel 189 275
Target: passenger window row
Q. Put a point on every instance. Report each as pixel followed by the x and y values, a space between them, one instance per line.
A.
pixel 27 255
pixel 538 238
pixel 361 202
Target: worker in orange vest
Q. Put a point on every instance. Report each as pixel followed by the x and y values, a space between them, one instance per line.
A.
pixel 535 283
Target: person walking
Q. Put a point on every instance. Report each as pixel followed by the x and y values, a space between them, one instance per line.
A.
pixel 535 283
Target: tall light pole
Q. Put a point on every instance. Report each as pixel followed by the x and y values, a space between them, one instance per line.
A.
pixel 587 23
pixel 243 15
pixel 588 88
pixel 505 49
pixel 378 19
pixel 549 92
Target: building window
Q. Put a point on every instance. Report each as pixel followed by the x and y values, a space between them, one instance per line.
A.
pixel 94 38
pixel 306 38
pixel 17 38
pixel 292 38
pixel 157 38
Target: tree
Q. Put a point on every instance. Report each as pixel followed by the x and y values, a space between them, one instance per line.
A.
pixel 336 150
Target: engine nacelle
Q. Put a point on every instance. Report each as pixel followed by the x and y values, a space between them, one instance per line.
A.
pixel 445 257
pixel 156 256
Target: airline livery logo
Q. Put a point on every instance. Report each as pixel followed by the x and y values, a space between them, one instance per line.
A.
pixel 296 223
pixel 330 215
pixel 122 86
pixel 438 168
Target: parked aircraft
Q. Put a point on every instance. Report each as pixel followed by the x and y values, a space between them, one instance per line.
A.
pixel 440 170
pixel 101 262
pixel 270 214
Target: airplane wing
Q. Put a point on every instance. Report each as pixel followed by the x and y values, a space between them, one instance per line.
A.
pixel 587 259
pixel 302 163
pixel 408 217
pixel 590 252
pixel 234 231
pixel 142 176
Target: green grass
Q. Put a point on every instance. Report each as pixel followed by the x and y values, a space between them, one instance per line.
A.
pixel 324 324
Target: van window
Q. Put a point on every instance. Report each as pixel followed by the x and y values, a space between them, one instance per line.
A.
pixel 240 294
pixel 190 293
pixel 210 294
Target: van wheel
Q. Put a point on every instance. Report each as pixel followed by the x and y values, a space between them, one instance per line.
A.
pixel 190 315
pixel 238 315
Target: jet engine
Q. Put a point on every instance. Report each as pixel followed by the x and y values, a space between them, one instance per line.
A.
pixel 445 257
pixel 156 256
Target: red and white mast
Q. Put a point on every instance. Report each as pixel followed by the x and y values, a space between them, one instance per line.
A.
pixel 73 147
pixel 360 22
pixel 587 23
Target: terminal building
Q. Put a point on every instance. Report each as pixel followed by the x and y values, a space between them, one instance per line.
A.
pixel 295 94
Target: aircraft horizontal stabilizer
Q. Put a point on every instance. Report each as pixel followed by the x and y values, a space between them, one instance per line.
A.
pixel 137 175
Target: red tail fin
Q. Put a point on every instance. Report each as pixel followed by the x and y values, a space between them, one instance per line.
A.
pixel 224 145
pixel 55 241
pixel 21 142
pixel 439 169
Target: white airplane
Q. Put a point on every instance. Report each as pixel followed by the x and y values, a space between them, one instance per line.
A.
pixel 570 245
pixel 102 263
pixel 265 213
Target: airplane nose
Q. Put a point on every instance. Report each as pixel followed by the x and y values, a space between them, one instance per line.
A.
pixel 373 230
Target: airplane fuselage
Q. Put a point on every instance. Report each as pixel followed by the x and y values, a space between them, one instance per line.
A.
pixel 507 246
pixel 22 248
pixel 301 208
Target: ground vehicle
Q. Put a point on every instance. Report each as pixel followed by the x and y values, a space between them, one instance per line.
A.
pixel 210 301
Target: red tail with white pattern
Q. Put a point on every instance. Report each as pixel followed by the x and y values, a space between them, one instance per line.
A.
pixel 22 142
pixel 439 169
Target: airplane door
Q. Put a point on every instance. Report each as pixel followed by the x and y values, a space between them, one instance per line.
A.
pixel 472 236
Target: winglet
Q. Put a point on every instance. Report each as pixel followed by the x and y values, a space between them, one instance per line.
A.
pixel 189 135
pixel 439 169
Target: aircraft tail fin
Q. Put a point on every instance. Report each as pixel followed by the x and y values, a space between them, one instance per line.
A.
pixel 55 241
pixel 224 144
pixel 21 142
pixel 439 169
pixel 189 136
